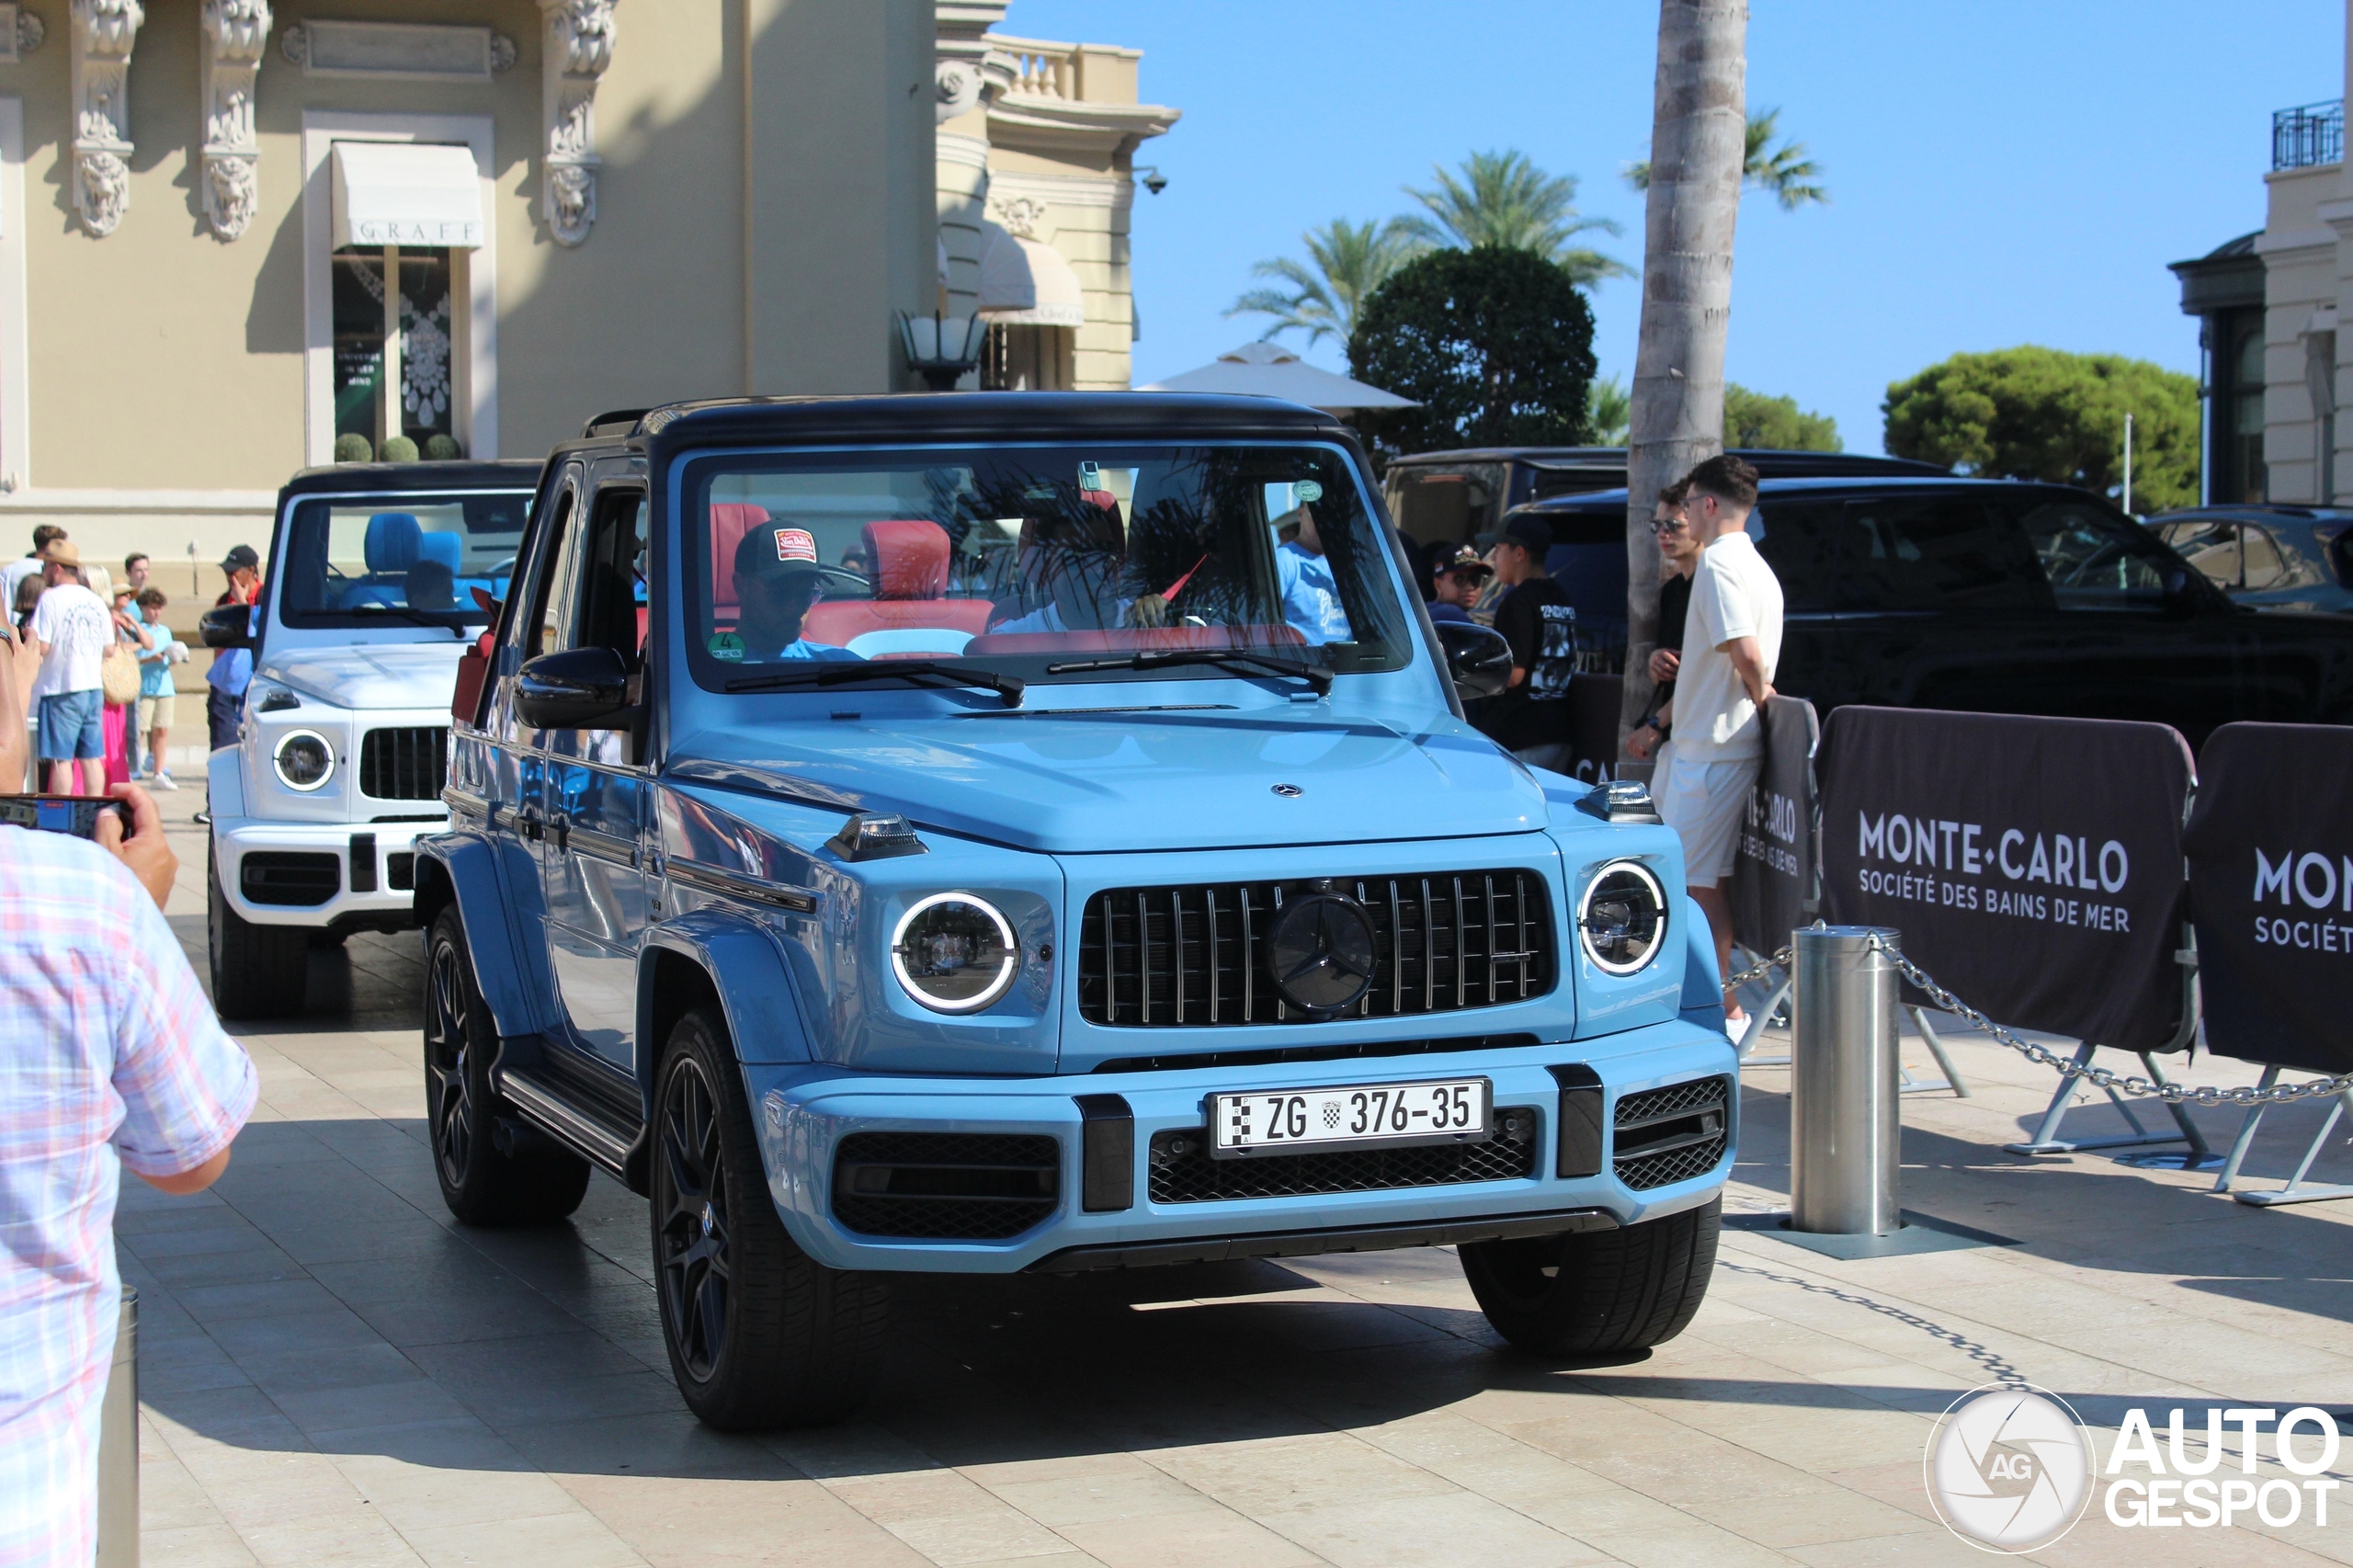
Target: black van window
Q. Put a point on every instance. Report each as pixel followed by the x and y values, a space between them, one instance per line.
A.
pixel 1933 552
pixel 1801 544
pixel 2096 561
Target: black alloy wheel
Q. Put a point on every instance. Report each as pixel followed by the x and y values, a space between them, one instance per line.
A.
pixel 493 1169
pixel 760 1333
pixel 445 1022
pixel 690 1195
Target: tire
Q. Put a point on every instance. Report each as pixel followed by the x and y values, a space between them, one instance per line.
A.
pixel 259 972
pixel 1605 1292
pixel 760 1335
pixel 481 1185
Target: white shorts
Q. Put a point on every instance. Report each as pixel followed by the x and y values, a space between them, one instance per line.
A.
pixel 1703 802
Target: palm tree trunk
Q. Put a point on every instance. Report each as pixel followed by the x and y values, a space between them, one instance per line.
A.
pixel 1698 137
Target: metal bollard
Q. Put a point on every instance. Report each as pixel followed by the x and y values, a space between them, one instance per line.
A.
pixel 1845 1128
pixel 119 1446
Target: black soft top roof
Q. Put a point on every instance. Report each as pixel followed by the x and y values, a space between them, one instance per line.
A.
pixel 1770 462
pixel 387 479
pixel 1889 485
pixel 984 416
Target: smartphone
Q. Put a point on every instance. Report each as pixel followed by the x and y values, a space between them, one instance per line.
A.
pixel 76 815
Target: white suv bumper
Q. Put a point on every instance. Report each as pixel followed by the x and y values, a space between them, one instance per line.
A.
pixel 373 866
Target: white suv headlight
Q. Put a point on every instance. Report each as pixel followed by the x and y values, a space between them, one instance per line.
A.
pixel 954 953
pixel 304 760
pixel 1622 920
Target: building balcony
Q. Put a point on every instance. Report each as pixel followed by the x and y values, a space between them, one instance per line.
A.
pixel 2309 135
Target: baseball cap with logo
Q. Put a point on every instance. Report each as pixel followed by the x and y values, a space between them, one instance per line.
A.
pixel 241 558
pixel 1465 560
pixel 769 552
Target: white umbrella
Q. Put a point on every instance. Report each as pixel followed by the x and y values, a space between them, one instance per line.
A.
pixel 1268 369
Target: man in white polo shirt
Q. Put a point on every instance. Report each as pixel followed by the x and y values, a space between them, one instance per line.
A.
pixel 1731 644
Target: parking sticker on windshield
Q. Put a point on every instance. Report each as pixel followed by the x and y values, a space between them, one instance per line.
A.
pixel 1305 490
pixel 726 645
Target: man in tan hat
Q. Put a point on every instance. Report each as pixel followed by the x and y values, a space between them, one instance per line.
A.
pixel 71 630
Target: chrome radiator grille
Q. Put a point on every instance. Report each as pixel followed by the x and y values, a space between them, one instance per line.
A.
pixel 1195 957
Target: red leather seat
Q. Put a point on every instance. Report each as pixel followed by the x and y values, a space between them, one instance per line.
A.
pixel 729 521
pixel 910 557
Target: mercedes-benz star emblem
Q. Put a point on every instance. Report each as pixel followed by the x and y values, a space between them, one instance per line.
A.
pixel 1321 951
pixel 1290 791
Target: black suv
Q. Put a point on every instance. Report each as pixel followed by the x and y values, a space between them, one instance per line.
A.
pixel 2001 596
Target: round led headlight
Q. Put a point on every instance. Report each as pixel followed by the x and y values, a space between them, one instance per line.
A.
pixel 954 953
pixel 304 760
pixel 1622 920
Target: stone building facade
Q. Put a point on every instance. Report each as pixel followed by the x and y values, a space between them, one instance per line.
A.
pixel 234 234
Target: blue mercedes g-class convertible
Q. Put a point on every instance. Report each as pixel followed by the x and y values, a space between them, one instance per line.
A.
pixel 1039 831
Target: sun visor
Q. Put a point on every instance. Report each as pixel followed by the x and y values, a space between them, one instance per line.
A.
pixel 397 193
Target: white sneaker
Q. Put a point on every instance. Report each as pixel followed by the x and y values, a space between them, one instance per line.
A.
pixel 162 782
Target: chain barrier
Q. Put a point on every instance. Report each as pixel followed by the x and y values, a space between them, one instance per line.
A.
pixel 2099 1077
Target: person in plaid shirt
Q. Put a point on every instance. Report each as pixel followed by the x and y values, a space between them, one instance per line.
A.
pixel 109 1056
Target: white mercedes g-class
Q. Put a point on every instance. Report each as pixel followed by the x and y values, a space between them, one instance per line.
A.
pixel 381 576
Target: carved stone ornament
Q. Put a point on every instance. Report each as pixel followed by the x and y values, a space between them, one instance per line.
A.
pixel 20 32
pixel 1019 216
pixel 579 49
pixel 104 31
pixel 236 34
pixel 959 85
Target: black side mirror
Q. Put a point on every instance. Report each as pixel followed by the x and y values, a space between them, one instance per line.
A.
pixel 227 626
pixel 578 688
pixel 1478 660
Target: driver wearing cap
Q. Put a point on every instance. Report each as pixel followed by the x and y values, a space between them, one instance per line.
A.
pixel 777 577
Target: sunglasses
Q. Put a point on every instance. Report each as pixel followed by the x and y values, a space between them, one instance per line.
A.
pixel 1672 525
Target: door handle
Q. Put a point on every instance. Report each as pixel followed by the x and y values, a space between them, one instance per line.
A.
pixel 559 827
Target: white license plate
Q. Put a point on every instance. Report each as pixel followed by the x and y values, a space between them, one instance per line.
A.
pixel 1357 1115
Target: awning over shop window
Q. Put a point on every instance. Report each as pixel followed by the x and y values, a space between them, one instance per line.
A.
pixel 1026 282
pixel 399 193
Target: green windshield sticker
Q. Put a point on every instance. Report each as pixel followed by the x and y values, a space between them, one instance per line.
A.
pixel 726 645
pixel 1306 490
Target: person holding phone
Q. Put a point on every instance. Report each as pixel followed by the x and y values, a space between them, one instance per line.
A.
pixel 109 1056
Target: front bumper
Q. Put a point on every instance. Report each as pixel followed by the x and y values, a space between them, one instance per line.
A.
pixel 234 838
pixel 803 1113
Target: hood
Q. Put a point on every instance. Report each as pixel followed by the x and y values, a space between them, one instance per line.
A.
pixel 370 674
pixel 1124 780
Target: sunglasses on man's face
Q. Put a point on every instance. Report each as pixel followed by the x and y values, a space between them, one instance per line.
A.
pixel 1663 527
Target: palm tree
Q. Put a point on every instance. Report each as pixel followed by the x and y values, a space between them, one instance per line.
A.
pixel 1699 136
pixel 1350 260
pixel 1501 198
pixel 1606 408
pixel 1786 171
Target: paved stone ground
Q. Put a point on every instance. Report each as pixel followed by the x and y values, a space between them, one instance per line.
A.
pixel 333 1372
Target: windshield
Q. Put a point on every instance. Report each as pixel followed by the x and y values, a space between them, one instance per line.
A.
pixel 1014 560
pixel 398 561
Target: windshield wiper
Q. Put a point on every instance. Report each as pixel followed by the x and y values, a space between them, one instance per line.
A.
pixel 838 672
pixel 1316 675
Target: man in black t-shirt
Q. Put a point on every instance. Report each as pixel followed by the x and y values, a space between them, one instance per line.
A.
pixel 1530 718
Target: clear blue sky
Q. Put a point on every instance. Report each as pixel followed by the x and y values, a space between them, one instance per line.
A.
pixel 2002 172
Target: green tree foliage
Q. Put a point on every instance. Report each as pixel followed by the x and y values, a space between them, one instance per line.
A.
pixel 1751 419
pixel 2032 413
pixel 1495 343
pixel 1346 261
pixel 1607 410
pixel 1502 199
pixel 1793 178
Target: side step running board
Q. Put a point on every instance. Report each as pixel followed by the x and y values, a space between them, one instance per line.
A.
pixel 543 1106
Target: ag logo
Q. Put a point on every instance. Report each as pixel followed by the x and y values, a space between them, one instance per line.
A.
pixel 2009 1469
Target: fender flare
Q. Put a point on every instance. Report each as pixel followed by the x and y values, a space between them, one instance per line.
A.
pixel 738 959
pixel 459 868
pixel 1702 987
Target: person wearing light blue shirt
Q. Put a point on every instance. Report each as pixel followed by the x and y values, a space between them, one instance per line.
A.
pixel 1311 596
pixel 778 578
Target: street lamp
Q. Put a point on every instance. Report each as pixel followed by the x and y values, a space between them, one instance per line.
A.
pixel 942 349
pixel 1153 181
